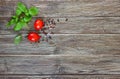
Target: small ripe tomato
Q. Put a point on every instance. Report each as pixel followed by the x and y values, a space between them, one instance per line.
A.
pixel 38 24
pixel 33 37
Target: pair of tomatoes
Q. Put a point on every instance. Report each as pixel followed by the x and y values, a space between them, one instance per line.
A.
pixel 34 36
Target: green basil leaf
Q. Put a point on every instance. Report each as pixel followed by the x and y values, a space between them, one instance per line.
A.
pixel 14 17
pixel 18 39
pixel 27 13
pixel 22 7
pixel 27 18
pixel 33 11
pixel 21 19
pixel 24 24
pixel 19 26
pixel 11 22
pixel 18 11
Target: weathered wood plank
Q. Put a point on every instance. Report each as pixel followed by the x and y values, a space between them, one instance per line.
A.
pixel 62 64
pixel 65 8
pixel 75 25
pixel 65 44
pixel 64 77
pixel 88 44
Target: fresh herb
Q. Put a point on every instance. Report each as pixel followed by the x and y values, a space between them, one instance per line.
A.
pixel 21 19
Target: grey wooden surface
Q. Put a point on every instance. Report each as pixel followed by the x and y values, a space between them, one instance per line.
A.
pixel 87 46
pixel 63 77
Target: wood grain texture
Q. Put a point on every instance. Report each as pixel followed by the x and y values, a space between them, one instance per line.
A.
pixel 87 46
pixel 65 8
pixel 65 44
pixel 61 64
pixel 74 25
pixel 67 54
pixel 63 77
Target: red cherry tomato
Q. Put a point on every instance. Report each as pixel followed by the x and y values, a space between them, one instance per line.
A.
pixel 33 37
pixel 38 24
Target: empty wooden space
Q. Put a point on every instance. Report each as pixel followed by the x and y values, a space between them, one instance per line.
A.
pixel 87 46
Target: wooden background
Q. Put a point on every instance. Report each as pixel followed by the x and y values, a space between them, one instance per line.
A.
pixel 87 46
